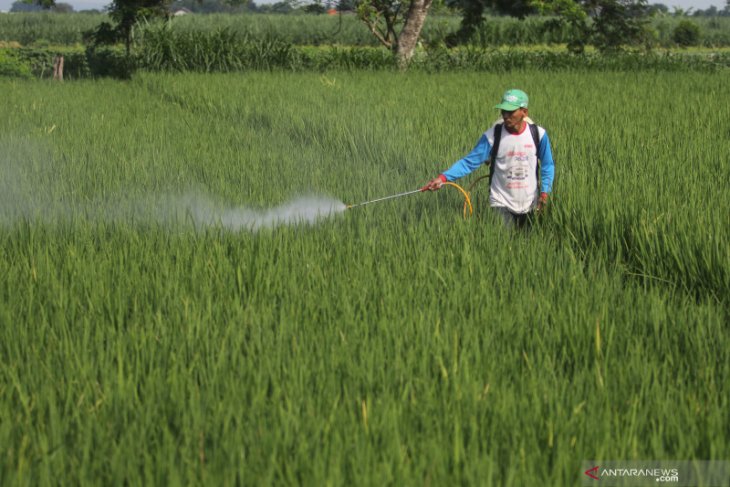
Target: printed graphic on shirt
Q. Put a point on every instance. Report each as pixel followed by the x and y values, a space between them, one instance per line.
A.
pixel 516 177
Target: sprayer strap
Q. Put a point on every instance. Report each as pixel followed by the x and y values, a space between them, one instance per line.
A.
pixel 536 139
pixel 495 149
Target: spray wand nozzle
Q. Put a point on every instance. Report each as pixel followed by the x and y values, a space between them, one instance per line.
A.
pixel 385 198
pixel 467 198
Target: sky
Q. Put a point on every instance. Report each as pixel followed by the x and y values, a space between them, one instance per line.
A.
pixel 99 4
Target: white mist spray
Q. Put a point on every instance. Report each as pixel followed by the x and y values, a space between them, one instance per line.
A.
pixel 203 212
pixel 31 190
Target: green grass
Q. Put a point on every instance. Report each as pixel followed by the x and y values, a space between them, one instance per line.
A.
pixel 393 344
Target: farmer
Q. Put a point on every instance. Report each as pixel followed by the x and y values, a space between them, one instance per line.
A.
pixel 515 189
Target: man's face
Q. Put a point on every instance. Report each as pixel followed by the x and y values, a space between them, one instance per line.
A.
pixel 513 120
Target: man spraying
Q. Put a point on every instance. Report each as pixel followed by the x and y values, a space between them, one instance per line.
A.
pixel 518 184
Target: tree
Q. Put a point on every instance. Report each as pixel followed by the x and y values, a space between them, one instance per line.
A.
pixel 680 12
pixel 20 6
pixel 607 24
pixel 315 8
pixel 346 6
pixel 658 9
pixel 619 22
pixel 686 34
pixel 215 6
pixel 710 12
pixel 126 14
pixel 63 8
pixel 383 17
pixel 473 11
pixel 32 5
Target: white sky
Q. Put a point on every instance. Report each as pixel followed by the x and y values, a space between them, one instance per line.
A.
pixel 99 4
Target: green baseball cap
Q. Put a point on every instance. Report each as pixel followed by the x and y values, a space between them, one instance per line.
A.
pixel 512 100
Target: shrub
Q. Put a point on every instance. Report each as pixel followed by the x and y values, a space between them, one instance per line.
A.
pixel 686 34
pixel 110 62
pixel 11 65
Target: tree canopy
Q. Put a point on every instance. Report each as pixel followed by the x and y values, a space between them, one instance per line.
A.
pixel 32 5
pixel 606 24
pixel 473 12
pixel 125 14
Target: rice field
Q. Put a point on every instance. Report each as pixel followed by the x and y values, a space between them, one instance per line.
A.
pixel 156 328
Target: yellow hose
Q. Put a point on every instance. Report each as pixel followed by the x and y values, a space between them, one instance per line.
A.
pixel 467 199
pixel 471 187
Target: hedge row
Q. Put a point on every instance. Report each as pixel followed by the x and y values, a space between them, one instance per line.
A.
pixel 222 56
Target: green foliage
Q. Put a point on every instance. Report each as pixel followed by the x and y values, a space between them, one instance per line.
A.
pixel 396 344
pixel 110 62
pixel 308 30
pixel 32 5
pixel 78 63
pixel 20 6
pixel 511 60
pixel 39 61
pixel 104 34
pixel 223 51
pixel 163 47
pixel 384 18
pixel 620 23
pixel 12 66
pixel 606 24
pixel 315 8
pixel 63 8
pixel 473 12
pixel 56 29
pixel 505 31
pixel 126 14
pixel 686 34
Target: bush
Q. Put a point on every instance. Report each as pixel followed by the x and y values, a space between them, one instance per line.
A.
pixel 226 52
pixel 686 34
pixel 78 64
pixel 110 62
pixel 39 62
pixel 11 65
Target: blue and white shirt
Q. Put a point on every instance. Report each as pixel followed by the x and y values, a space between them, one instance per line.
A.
pixel 514 183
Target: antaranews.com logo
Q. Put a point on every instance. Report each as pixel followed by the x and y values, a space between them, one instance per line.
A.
pixel 656 474
pixel 662 472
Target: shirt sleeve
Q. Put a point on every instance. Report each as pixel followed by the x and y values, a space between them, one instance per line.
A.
pixel 547 166
pixel 472 161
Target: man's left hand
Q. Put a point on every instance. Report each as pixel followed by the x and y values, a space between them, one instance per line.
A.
pixel 542 202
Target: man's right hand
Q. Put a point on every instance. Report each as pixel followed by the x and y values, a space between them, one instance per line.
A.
pixel 434 184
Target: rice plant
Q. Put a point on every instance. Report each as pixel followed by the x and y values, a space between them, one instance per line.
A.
pixel 396 343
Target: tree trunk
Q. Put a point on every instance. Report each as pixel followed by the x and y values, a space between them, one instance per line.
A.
pixel 408 39
pixel 58 68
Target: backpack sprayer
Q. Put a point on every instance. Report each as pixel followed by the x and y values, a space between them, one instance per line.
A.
pixel 466 193
pixel 467 198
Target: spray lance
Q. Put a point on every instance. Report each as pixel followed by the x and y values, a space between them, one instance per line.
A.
pixel 467 199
